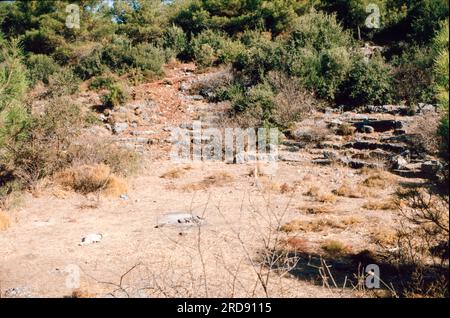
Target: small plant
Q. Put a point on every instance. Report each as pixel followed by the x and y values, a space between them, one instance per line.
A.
pixel 115 96
pixel 63 82
pixel 40 68
pixel 335 248
pixel 87 179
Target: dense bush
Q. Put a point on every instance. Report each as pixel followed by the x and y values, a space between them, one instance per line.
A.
pixel 175 40
pixel 40 67
pixel 90 65
pixel 115 96
pixel 412 77
pixel 13 81
pixel 369 82
pixel 63 82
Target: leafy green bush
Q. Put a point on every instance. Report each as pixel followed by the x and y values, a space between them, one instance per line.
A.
pixel 425 17
pixel 176 40
pixel 369 82
pixel 91 65
pixel 101 82
pixel 63 82
pixel 115 96
pixel 412 77
pixel 260 57
pixel 319 52
pixel 260 97
pixel 13 81
pixel 441 73
pixel 40 67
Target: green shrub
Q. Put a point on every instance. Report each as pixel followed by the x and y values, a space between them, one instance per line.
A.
pixel 102 82
pixel 40 67
pixel 260 96
pixel 63 82
pixel 90 65
pixel 260 57
pixel 13 81
pixel 369 82
pixel 412 77
pixel 115 96
pixel 319 52
pixel 205 46
pixel 175 40
pixel 148 58
pixel 425 17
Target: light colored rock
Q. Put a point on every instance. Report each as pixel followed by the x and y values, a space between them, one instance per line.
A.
pixel 91 239
pixel 119 127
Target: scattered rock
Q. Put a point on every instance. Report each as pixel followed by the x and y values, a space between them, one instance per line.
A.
pixel 367 129
pixel 184 87
pixel 117 128
pixel 180 219
pixel 399 162
pixel 18 292
pixel 90 239
pixel 380 125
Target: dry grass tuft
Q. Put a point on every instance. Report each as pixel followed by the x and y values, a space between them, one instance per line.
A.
pixel 324 197
pixel 295 244
pixel 385 205
pixel 378 179
pixel 5 221
pixel 316 209
pixel 385 237
pixel 353 191
pixel 175 173
pixel 336 248
pixel 91 178
pixel 318 225
pixel 345 130
pixel 218 179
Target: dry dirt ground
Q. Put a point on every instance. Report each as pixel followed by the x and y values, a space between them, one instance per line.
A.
pixel 244 218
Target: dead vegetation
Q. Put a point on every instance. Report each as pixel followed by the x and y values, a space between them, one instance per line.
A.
pixel 381 205
pixel 175 173
pixel 378 179
pixel 335 249
pixel 319 225
pixel 88 179
pixel 4 221
pixel 217 179
pixel 321 196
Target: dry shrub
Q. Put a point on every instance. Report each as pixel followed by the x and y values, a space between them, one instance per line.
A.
pixel 89 150
pixel 385 237
pixel 220 178
pixel 286 188
pixel 295 245
pixel 423 133
pixel 336 248
pixel 217 179
pixel 87 179
pixel 352 191
pixel 378 179
pixel 292 101
pixel 175 173
pixel 345 130
pixel 423 241
pixel 4 221
pixel 316 209
pixel 324 197
pixel 388 204
pixel 318 225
